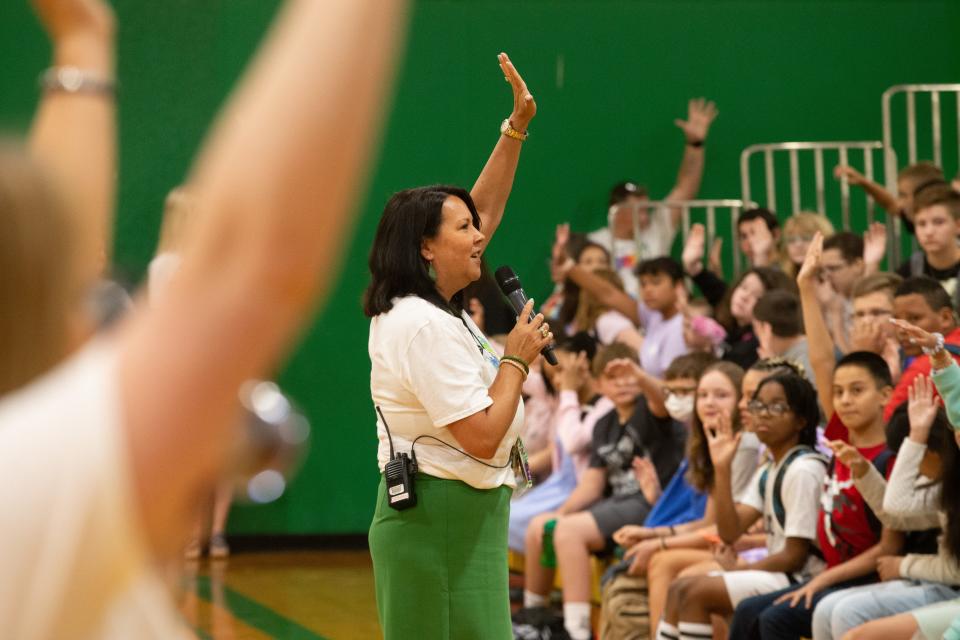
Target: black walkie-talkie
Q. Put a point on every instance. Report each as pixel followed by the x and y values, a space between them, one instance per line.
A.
pixel 399 473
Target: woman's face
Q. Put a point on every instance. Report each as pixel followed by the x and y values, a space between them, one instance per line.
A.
pixel 716 396
pixel 455 251
pixel 744 297
pixel 593 258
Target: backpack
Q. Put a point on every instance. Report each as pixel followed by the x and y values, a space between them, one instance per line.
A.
pixel 797 452
pixel 625 609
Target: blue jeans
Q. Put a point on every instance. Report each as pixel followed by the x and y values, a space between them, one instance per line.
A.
pixel 757 618
pixel 843 610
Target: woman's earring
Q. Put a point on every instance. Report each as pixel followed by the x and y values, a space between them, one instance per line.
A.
pixel 431 272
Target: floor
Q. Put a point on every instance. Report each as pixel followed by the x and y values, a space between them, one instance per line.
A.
pixel 294 595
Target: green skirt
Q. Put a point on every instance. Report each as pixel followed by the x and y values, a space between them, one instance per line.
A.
pixel 441 566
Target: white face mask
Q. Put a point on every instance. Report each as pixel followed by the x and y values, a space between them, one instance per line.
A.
pixel 679 407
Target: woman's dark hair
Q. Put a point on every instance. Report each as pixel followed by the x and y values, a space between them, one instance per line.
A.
pixel 396 267
pixel 771 279
pixel 571 290
pixel 802 400
pixel 700 474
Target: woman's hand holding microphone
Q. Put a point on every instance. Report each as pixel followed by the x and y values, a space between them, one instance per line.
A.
pixel 528 337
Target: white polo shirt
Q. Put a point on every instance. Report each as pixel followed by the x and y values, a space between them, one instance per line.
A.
pixel 430 369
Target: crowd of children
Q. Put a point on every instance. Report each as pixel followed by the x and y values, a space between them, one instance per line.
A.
pixel 770 459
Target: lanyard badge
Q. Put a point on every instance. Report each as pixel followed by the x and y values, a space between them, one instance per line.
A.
pixel 521 467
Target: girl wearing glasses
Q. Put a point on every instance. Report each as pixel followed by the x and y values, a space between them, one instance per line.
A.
pixel 784 493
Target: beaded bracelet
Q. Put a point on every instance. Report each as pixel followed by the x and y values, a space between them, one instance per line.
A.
pixel 513 363
pixel 519 361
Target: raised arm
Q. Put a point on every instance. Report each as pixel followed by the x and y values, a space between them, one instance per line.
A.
pixel 493 187
pixel 274 187
pixel 820 343
pixel 700 114
pixel 733 518
pixel 650 386
pixel 880 195
pixel 74 131
pixel 606 293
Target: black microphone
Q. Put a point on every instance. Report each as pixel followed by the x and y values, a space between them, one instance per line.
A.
pixel 509 284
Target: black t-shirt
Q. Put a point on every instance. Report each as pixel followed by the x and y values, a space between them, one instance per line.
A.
pixel 946 277
pixel 615 445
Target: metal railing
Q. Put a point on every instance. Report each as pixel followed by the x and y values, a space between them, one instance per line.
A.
pixel 709 209
pixel 845 152
pixel 910 92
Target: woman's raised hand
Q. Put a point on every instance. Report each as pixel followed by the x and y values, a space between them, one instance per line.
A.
pixel 528 336
pixel 524 106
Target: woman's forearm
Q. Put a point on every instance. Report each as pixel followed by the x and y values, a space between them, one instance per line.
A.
pixel 492 189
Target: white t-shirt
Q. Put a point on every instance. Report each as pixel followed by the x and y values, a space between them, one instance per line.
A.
pixel 652 242
pixel 800 493
pixel 427 372
pixel 73 560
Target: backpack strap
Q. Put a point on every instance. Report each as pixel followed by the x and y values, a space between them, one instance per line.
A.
pixel 799 451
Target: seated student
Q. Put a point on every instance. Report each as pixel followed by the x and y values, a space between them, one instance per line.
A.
pixel 657 312
pixel 579 407
pixel 909 180
pixel 937 220
pixel 656 228
pixel 785 493
pixel 758 233
pixel 921 301
pixel 778 325
pixel 561 306
pixel 921 576
pixel 798 232
pixel 872 309
pixel 670 540
pixel 843 265
pixel 852 392
pixel 607 496
pixel 605 324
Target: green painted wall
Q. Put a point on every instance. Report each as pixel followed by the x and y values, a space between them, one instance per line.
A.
pixel 779 70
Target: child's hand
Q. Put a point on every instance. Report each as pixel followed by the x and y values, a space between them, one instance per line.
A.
pixel 849 456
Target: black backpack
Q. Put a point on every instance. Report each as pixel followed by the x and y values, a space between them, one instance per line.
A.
pixel 538 623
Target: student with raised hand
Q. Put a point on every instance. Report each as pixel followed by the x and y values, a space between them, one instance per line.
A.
pixel 919 577
pixel 909 180
pixel 945 372
pixel 275 186
pixel 785 493
pixel 656 228
pixel 657 312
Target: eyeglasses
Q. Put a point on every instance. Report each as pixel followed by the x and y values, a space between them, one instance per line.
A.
pixel 679 391
pixel 776 409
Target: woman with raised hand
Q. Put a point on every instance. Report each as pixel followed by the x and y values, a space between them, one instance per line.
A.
pixel 448 401
pixel 136 426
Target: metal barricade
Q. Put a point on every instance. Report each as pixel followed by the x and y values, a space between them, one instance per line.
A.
pixel 937 121
pixel 845 153
pixel 709 209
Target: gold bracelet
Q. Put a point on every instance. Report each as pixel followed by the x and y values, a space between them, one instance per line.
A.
pixel 507 129
pixel 517 365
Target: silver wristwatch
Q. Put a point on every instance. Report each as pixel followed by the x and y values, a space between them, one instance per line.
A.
pixel 935 348
pixel 76 80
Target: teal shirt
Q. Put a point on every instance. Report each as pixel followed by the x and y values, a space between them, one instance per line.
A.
pixel 948 384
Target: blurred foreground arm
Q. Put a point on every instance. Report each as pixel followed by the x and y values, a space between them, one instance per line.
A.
pixel 274 190
pixel 74 133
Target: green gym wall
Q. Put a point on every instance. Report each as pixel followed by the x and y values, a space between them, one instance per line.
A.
pixel 609 78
